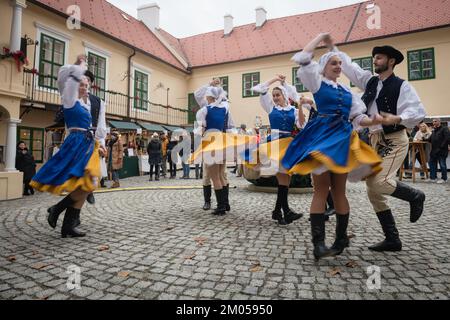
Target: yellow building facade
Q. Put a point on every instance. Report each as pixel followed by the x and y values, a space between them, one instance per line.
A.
pixel 129 76
pixel 431 91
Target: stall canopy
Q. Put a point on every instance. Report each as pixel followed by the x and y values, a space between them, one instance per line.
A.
pixel 151 127
pixel 123 125
pixel 172 128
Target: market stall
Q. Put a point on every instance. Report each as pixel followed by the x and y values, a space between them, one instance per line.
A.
pixel 128 132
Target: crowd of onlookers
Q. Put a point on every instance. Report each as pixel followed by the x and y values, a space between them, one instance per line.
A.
pixel 436 150
pixel 161 163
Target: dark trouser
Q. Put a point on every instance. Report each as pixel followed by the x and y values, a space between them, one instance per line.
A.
pixel 173 169
pixel 156 166
pixel 164 165
pixel 420 162
pixel 434 159
pixel 27 187
pixel 407 164
pixel 115 175
pixel 198 171
pixel 186 170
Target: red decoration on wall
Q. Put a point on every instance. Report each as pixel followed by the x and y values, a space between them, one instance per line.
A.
pixel 18 56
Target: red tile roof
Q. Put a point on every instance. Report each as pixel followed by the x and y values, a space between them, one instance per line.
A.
pixel 107 18
pixel 276 36
pixel 402 16
pixel 175 43
pixel 289 34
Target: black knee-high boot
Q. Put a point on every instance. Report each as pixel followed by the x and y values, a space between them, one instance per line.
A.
pixel 289 215
pixel 220 197
pixel 318 237
pixel 55 211
pixel 226 197
pixel 341 242
pixel 207 197
pixel 276 213
pixel 415 197
pixel 68 227
pixel 392 241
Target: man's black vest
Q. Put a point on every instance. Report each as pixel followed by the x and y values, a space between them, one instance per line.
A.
pixel 387 99
pixel 95 111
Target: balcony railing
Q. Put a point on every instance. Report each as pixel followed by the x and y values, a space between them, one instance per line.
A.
pixel 117 104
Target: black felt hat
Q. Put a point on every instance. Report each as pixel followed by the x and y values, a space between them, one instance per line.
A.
pixel 391 52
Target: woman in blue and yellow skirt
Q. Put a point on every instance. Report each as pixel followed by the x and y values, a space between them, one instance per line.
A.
pixel 328 147
pixel 284 120
pixel 217 145
pixel 76 167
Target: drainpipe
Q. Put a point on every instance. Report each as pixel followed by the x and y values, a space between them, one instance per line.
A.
pixel 129 83
pixel 167 110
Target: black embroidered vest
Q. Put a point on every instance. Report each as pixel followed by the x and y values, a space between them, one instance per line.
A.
pixel 387 98
pixel 95 109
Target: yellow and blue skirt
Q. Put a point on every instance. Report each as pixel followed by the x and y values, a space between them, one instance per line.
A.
pixel 322 147
pixel 75 166
pixel 267 157
pixel 221 147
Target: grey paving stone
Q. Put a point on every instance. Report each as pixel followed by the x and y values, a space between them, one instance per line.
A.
pixel 150 243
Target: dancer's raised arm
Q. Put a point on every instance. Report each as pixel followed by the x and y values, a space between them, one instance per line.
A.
pixel 310 72
pixel 69 78
pixel 357 75
pixel 266 99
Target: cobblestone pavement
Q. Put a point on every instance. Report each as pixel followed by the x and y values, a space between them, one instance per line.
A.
pixel 160 244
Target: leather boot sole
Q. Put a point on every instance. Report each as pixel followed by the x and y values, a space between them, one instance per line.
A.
pixel 68 235
pixel 383 246
pixel 330 253
pixel 340 248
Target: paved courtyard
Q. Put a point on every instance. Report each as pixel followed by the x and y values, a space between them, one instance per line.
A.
pixel 159 244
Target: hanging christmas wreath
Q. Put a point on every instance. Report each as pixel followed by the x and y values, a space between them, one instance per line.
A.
pixel 18 56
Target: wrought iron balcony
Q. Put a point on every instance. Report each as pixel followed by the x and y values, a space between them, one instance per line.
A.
pixel 39 89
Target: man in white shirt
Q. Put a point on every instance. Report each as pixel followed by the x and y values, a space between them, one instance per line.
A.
pixel 97 108
pixel 401 108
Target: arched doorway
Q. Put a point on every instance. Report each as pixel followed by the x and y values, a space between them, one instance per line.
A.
pixel 4 120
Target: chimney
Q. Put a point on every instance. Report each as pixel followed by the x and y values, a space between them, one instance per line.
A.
pixel 149 15
pixel 228 24
pixel 261 16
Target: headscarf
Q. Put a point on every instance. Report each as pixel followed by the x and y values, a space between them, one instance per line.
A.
pixel 217 93
pixel 284 93
pixel 324 60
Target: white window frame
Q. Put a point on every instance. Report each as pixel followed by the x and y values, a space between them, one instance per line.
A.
pixel 55 33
